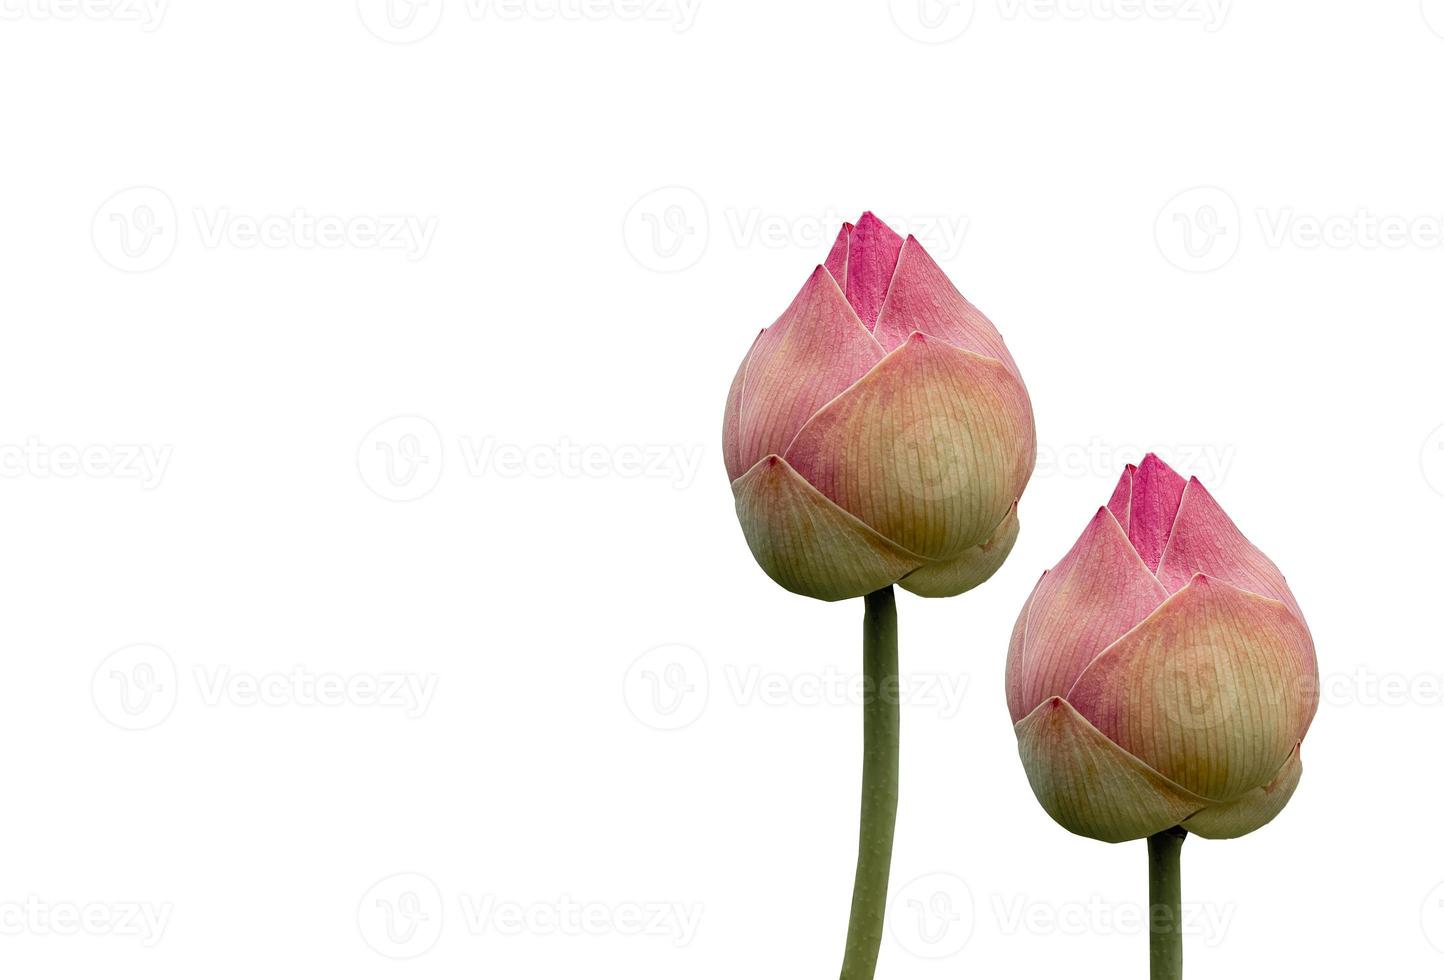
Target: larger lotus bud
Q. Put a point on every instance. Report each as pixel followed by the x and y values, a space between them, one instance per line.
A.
pixel 1161 674
pixel 879 431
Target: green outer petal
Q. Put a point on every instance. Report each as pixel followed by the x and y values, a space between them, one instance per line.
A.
pixel 1091 786
pixel 970 569
pixel 807 543
pixel 1252 810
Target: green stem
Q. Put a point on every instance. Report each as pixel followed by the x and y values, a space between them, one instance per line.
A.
pixel 1165 897
pixel 879 785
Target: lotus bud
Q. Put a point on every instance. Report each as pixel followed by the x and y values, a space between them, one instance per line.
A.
pixel 879 431
pixel 1161 674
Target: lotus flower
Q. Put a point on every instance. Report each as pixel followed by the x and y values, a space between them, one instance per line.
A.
pixel 879 431
pixel 1162 674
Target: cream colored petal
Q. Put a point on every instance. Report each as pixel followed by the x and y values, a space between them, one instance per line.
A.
pixel 1252 810
pixel 1091 786
pixel 931 447
pixel 1209 690
pixel 807 543
pixel 970 569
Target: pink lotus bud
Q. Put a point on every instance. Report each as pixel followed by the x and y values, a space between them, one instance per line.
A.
pixel 1162 674
pixel 879 431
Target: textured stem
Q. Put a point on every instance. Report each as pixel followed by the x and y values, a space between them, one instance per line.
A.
pixel 1165 897
pixel 879 785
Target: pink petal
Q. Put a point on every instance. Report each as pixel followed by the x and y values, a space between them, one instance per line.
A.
pixel 871 258
pixel 931 448
pixel 1013 672
pixel 1157 491
pixel 1205 540
pixel 1211 690
pixel 731 419
pixel 1098 592
pixel 837 259
pixel 1120 504
pixel 923 300
pixel 814 351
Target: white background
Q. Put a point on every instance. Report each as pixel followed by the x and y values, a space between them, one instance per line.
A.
pixel 240 239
